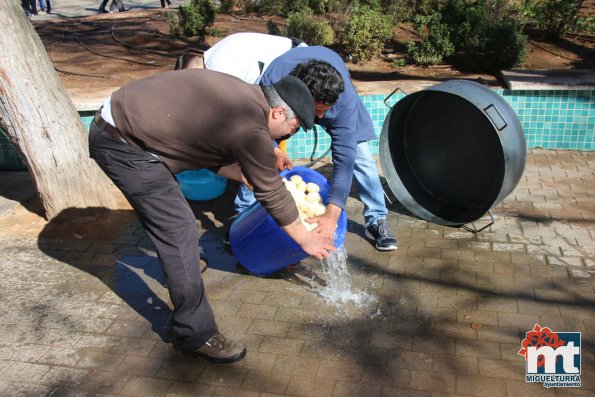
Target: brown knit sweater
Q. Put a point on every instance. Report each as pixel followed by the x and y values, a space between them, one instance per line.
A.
pixel 198 118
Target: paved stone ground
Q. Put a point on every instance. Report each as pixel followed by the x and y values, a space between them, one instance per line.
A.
pixel 82 8
pixel 448 310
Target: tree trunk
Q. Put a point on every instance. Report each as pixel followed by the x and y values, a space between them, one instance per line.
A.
pixel 41 121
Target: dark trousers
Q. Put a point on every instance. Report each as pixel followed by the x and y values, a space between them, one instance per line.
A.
pixel 119 4
pixel 155 195
pixel 30 6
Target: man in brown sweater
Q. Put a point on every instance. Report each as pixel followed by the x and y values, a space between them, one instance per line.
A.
pixel 155 127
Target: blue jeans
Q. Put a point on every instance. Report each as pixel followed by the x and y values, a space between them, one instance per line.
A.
pixel 42 5
pixel 368 186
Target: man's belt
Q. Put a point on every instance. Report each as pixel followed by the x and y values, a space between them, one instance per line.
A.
pixel 105 126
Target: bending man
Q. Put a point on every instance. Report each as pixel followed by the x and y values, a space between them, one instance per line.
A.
pixel 153 128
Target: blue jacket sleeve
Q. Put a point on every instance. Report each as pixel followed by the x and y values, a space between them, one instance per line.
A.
pixel 344 151
pixel 348 123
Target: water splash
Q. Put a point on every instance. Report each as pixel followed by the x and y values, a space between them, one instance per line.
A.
pixel 338 282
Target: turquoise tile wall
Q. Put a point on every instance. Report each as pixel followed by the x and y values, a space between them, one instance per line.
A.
pixel 555 119
pixel 550 120
pixel 86 118
pixel 302 144
pixel 9 159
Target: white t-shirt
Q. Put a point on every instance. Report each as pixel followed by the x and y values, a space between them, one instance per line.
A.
pixel 246 55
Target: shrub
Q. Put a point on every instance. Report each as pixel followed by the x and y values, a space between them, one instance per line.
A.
pixel 337 6
pixel 319 6
pixel 423 53
pixel 483 40
pixel 173 20
pixel 282 7
pixel 274 29
pixel 296 6
pixel 434 45
pixel 278 7
pixel 248 5
pixel 226 6
pixel 371 4
pixel 398 63
pixel 426 7
pixel 497 10
pixel 556 17
pixel 192 19
pixel 505 47
pixel 467 22
pixel 365 33
pixel 305 26
pixel 585 25
pixel 399 10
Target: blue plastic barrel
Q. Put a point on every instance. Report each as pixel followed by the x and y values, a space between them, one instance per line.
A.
pixel 260 244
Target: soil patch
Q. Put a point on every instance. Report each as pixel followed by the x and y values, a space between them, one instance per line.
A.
pixel 103 52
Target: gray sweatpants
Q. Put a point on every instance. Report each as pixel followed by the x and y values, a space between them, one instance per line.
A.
pixel 155 195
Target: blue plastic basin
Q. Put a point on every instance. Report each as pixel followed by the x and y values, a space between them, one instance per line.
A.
pixel 260 244
pixel 200 185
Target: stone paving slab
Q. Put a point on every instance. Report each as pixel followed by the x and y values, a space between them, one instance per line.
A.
pixel 446 314
pixel 62 9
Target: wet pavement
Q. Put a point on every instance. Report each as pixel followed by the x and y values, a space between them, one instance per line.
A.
pixel 448 313
pixel 449 308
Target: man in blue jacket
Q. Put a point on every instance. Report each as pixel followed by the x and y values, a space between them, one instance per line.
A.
pixel 350 127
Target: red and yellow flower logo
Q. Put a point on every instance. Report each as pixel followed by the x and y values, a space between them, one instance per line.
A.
pixel 540 336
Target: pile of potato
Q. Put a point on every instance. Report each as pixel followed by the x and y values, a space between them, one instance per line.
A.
pixel 307 199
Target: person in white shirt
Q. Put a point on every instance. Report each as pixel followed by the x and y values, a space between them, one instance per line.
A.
pixel 256 50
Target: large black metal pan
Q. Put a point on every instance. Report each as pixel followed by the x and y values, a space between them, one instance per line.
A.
pixel 452 152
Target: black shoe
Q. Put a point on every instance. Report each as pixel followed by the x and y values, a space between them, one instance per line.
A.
pixel 380 233
pixel 226 241
pixel 218 350
pixel 103 11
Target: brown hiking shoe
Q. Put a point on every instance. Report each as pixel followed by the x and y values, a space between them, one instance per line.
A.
pixel 219 350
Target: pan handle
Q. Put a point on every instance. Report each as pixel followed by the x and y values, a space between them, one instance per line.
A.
pixel 494 115
pixel 391 94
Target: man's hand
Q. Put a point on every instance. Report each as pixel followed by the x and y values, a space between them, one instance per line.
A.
pixel 282 160
pixel 327 223
pixel 312 243
pixel 316 246
pixel 248 184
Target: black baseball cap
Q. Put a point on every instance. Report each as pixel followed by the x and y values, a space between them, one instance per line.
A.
pixel 297 96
